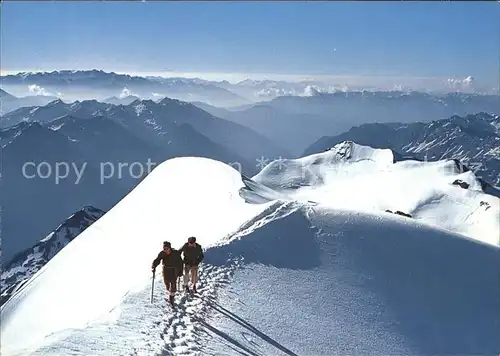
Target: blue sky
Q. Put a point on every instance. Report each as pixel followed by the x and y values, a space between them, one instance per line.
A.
pixel 416 39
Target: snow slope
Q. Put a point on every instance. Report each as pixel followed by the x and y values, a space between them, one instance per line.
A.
pixel 355 284
pixel 282 275
pixel 360 178
pixel 182 197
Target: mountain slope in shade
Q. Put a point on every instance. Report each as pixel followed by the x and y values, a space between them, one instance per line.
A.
pixel 27 192
pixel 360 282
pixel 8 134
pixel 105 160
pixel 153 131
pixel 293 131
pixel 212 110
pixel 26 263
pixel 238 138
pixel 159 118
pixel 161 121
pixel 108 144
pixel 472 139
pixel 120 134
pixel 295 122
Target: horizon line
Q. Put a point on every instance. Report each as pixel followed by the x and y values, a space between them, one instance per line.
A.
pixel 345 82
pixel 232 75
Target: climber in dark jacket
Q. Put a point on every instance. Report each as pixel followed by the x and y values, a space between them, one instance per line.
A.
pixel 193 255
pixel 172 268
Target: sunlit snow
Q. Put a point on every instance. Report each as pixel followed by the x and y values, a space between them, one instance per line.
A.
pixel 303 259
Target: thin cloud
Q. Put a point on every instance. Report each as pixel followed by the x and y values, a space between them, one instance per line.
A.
pixel 126 92
pixel 461 84
pixel 38 90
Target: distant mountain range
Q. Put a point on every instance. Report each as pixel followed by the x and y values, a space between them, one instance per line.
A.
pixel 71 85
pixel 384 106
pixel 96 84
pixel 264 90
pixel 159 121
pixel 472 139
pixel 29 261
pixel 294 122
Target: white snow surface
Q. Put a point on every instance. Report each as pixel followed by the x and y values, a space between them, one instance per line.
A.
pixel 356 284
pixel 308 265
pixel 91 275
pixel 360 178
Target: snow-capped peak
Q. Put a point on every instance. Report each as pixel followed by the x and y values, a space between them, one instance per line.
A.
pixel 363 178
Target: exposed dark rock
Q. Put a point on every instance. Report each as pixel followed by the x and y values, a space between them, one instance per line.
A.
pixel 461 184
pixel 398 212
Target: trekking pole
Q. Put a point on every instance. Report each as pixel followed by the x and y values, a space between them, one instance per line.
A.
pixel 152 286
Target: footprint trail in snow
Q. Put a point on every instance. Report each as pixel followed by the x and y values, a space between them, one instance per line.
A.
pixel 183 331
pixel 145 329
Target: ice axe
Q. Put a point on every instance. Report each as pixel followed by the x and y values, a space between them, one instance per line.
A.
pixel 152 286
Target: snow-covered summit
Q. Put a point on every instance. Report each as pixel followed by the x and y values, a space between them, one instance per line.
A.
pixel 313 169
pixel 363 178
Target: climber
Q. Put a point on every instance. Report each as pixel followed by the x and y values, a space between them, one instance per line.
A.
pixel 172 268
pixel 193 255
